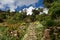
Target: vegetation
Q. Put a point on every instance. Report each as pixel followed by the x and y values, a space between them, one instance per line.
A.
pixel 19 26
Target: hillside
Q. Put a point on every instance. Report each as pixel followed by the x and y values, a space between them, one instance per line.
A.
pixel 32 23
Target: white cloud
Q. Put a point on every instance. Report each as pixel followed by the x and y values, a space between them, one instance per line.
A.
pixel 45 10
pixel 7 1
pixel 12 10
pixel 17 2
pixel 29 10
pixel 1 6
pixel 41 13
pixel 26 2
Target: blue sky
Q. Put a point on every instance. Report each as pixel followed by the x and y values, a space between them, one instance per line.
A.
pixel 19 4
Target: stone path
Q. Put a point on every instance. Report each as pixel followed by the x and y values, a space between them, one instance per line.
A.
pixel 30 35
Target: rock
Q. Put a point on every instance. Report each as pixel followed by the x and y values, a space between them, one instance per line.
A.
pixel 46 35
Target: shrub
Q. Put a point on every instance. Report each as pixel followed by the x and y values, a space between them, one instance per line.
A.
pixel 50 23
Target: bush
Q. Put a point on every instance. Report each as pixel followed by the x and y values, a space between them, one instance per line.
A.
pixel 50 23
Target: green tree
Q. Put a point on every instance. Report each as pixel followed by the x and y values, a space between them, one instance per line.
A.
pixel 54 11
pixel 48 3
pixel 35 12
